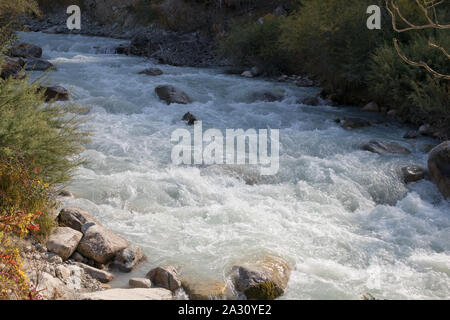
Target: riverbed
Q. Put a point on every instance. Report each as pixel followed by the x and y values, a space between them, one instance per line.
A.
pixel 341 216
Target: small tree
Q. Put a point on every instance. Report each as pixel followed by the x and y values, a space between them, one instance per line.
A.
pixel 430 14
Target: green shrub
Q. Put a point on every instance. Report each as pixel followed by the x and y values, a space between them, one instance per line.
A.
pixel 401 86
pixel 256 44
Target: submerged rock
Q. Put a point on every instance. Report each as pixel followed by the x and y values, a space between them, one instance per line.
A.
pixel 311 101
pixel 170 94
pixel 26 50
pixel 100 244
pixel 412 134
pixel 264 279
pixel 354 123
pixel 190 118
pixel 384 147
pixel 439 167
pixel 64 241
pixel 165 277
pixel 413 173
pixel 129 258
pixel 267 96
pixel 204 290
pixel 130 294
pixel 152 72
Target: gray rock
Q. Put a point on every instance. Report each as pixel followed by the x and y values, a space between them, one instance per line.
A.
pixel 262 279
pixel 425 130
pixel 190 118
pixel 311 101
pixel 129 258
pixel 54 258
pixel 78 257
pixel 25 50
pixel 354 123
pixel 439 167
pixel 130 294
pixel 413 173
pixel 384 147
pixel 247 74
pixel 36 64
pixel 371 107
pixel 100 275
pixel 256 71
pixel 152 72
pixel 140 283
pixel 267 96
pixel 64 241
pixel 57 93
pixel 170 95
pixel 65 194
pixel 75 218
pixel 412 134
pixel 165 277
pixel 101 244
pixel 62 272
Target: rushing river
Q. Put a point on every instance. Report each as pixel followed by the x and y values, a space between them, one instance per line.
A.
pixel 341 216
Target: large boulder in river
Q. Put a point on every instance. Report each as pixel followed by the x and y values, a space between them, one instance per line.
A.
pixel 55 93
pixel 36 64
pixel 130 294
pixel 439 167
pixel 26 50
pixel 129 258
pixel 170 94
pixel 100 244
pixel 64 241
pixel 262 279
pixel 384 147
pixel 165 277
pixel 75 218
pixel 413 173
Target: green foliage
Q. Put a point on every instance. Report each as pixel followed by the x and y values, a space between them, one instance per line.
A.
pixel 49 136
pixel 401 86
pixel 256 44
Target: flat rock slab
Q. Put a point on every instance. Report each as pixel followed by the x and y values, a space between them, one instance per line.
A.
pixel 64 241
pixel 204 290
pixel 384 147
pixel 130 294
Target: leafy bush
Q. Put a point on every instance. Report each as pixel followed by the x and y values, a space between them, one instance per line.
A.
pixel 48 136
pixel 401 86
pixel 256 44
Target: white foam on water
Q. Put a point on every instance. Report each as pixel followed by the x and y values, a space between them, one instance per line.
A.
pixel 340 215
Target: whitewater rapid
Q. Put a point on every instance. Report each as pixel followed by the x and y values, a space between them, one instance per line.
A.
pixel 341 216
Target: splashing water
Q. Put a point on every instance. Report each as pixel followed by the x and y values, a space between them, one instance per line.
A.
pixel 340 215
